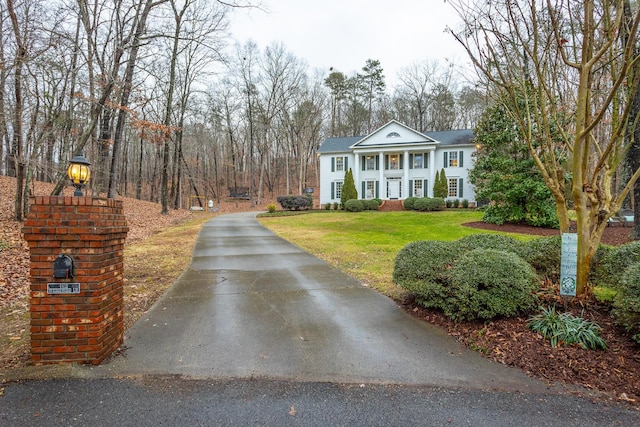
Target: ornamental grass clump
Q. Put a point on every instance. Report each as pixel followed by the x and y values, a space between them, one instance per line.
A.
pixel 567 329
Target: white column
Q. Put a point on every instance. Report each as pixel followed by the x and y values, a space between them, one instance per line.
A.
pixel 432 172
pixel 383 188
pixel 405 191
pixel 356 174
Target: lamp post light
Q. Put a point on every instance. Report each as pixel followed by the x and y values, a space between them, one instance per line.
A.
pixel 79 173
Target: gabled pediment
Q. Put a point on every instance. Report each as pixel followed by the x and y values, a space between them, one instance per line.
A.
pixel 393 134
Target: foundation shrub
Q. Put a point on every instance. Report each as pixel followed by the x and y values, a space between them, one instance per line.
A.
pixel 354 205
pixel 409 203
pixel 370 205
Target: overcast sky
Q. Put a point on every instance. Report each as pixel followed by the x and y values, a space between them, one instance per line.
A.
pixel 343 34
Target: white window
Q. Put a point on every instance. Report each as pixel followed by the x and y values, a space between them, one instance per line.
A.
pixel 418 161
pixel 453 187
pixel 340 164
pixel 338 194
pixel 453 159
pixel 394 161
pixel 417 188
pixel 370 189
pixel 370 163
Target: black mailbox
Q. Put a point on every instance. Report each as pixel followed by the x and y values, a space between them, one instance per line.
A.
pixel 63 267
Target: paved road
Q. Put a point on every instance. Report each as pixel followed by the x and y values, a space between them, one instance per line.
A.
pixel 259 332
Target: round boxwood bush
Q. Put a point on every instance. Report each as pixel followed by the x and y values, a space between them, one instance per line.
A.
pixel 409 203
pixel 421 268
pixel 488 241
pixel 543 254
pixel 421 204
pixel 371 205
pixel 615 262
pixel 489 283
pixel 435 204
pixel 354 205
pixel 599 274
pixel 627 303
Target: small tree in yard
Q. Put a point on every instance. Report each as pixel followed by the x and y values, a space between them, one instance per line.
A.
pixel 348 188
pixel 575 64
pixel 440 187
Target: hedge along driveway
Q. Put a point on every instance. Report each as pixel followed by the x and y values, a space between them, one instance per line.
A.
pixel 365 244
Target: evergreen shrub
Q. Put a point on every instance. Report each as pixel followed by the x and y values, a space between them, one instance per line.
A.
pixel 613 263
pixel 627 303
pixel 354 205
pixel 294 203
pixel 543 254
pixel 421 268
pixel 488 241
pixel 409 203
pixel 489 283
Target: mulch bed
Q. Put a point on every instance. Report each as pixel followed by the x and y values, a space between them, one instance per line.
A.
pixel 613 374
pixel 615 235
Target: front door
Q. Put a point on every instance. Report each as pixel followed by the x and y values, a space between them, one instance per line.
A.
pixel 393 189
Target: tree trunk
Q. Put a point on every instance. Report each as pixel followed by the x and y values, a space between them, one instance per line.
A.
pixel 16 151
pixel 126 92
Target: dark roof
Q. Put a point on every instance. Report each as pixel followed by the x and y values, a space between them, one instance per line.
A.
pixel 452 137
pixel 338 145
pixel 446 137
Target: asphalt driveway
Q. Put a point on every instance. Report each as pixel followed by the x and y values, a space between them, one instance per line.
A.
pixel 252 305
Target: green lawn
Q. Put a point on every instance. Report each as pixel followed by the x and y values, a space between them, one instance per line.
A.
pixel 365 244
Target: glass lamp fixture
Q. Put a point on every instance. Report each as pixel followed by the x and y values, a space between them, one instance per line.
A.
pixel 79 173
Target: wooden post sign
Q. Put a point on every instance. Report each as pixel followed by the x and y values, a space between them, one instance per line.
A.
pixel 569 264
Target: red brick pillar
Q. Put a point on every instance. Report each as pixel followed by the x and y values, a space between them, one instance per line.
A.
pixel 87 326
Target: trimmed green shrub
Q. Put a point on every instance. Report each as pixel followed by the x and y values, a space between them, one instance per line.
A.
pixel 627 303
pixel 271 207
pixel 371 204
pixel 435 204
pixel 336 206
pixel 409 203
pixel 544 255
pixel 421 204
pixel 449 203
pixel 327 206
pixel 295 202
pixel 421 268
pixel 488 241
pixel 456 203
pixel 611 264
pixel 465 203
pixel 599 271
pixel 353 205
pixel 567 329
pixel 489 283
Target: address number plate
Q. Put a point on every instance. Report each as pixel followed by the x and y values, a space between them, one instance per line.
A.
pixel 63 288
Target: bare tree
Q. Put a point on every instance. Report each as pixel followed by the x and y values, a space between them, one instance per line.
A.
pixel 566 74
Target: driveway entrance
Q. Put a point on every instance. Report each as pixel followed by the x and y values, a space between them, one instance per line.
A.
pixel 253 305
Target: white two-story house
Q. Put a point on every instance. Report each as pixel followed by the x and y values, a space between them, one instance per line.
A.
pixel 395 162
